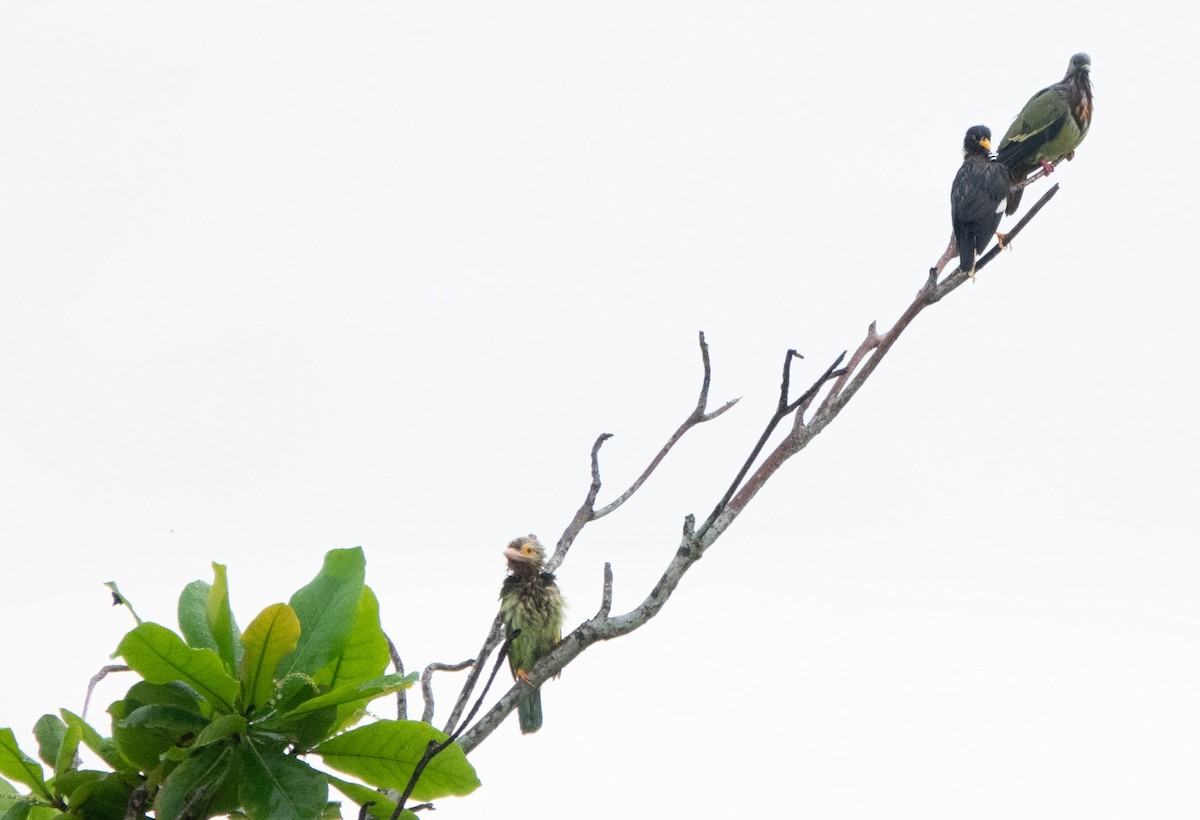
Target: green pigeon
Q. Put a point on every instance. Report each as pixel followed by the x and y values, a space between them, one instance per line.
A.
pixel 529 601
pixel 977 196
pixel 1049 127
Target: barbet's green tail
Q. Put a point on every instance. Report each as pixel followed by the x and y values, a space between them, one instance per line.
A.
pixel 529 710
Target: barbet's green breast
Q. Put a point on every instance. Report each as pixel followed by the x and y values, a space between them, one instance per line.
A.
pixel 534 606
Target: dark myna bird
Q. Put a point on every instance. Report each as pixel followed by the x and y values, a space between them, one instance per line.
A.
pixel 977 196
pixel 529 601
pixel 1049 127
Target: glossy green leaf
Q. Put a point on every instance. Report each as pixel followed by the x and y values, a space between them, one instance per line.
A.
pixel 170 718
pixel 357 694
pixel 149 736
pixel 222 727
pixel 102 746
pixel 160 656
pixel 78 786
pixel 18 766
pixel 195 783
pixel 220 620
pixel 269 638
pixel 65 761
pixel 360 795
pixel 193 616
pixel 386 753
pixel 8 796
pixel 365 655
pixel 147 732
pixel 96 795
pixel 144 693
pixel 276 786
pixel 326 607
pixel 293 691
pixel 49 732
pixel 306 729
pixel 15 811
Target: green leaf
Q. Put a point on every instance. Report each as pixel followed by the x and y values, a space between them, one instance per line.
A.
pixel 143 735
pixel 120 600
pixel 193 616
pixel 276 786
pixel 65 761
pixel 361 795
pixel 18 766
pixel 97 795
pixel 105 747
pixel 365 655
pixel 269 638
pixel 306 729
pixel 18 811
pixel 357 693
pixel 69 782
pixel 8 796
pixel 326 607
pixel 294 690
pixel 49 732
pixel 386 753
pixel 222 727
pixel 220 620
pixel 160 656
pixel 146 733
pixel 195 784
pixel 77 785
pixel 364 658
pixel 172 719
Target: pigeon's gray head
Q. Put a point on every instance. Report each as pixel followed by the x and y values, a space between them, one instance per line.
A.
pixel 1080 62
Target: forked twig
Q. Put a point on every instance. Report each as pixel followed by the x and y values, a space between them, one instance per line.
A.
pixel 587 512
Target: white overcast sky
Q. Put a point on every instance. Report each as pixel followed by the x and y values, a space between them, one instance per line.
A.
pixel 277 278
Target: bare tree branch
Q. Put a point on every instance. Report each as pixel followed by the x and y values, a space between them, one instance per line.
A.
pixel 96 678
pixel 606 591
pixel 401 696
pixel 493 639
pixel 842 384
pixel 427 683
pixel 587 512
pixel 699 415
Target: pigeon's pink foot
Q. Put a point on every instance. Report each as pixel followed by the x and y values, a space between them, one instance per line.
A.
pixel 1046 166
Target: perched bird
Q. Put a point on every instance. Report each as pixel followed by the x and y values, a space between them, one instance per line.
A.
pixel 977 196
pixel 1049 127
pixel 529 601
